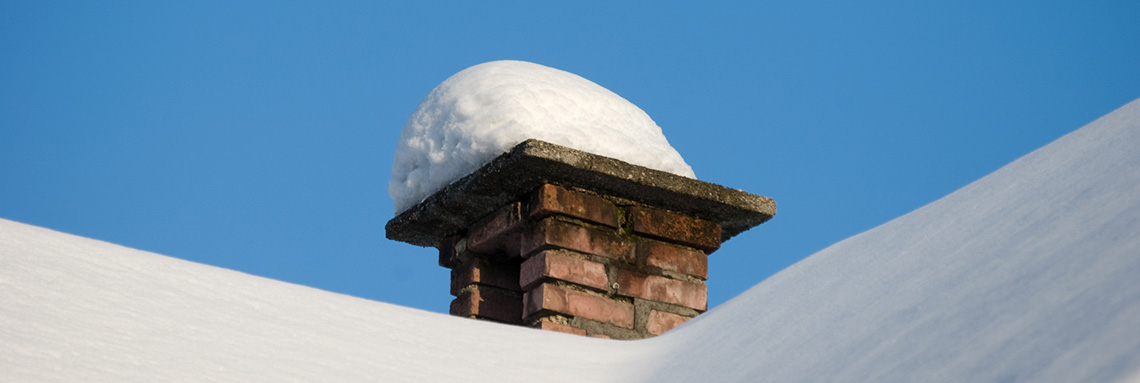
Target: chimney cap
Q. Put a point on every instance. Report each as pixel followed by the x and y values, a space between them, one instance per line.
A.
pixel 512 175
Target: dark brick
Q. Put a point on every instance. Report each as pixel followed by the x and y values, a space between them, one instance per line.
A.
pixel 673 258
pixel 550 199
pixel 447 256
pixel 550 233
pixel 504 275
pixel 498 233
pixel 676 228
pixel 489 303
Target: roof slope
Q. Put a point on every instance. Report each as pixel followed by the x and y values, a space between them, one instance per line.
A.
pixel 1028 274
pixel 1031 274
pixel 76 310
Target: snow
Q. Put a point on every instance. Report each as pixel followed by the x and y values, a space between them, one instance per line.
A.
pixel 1030 274
pixel 80 310
pixel 483 111
pixel 1027 275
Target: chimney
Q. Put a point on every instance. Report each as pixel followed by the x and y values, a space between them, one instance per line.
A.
pixel 558 239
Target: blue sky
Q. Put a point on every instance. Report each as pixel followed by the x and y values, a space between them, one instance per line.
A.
pixel 258 136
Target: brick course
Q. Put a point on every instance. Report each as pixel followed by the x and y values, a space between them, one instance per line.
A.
pixel 558 299
pixel 548 265
pixel 550 233
pixel 488 303
pixel 498 233
pixel 673 258
pixel 504 275
pixel 660 322
pixel 641 285
pixel 551 199
pixel 447 255
pixel 677 228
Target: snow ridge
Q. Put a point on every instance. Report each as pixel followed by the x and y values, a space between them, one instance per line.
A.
pixel 1027 275
pixel 80 310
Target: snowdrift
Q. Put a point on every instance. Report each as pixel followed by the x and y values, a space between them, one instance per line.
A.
pixel 1031 274
pixel 485 110
pixel 80 310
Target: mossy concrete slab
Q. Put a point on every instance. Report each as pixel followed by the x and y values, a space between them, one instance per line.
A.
pixel 511 176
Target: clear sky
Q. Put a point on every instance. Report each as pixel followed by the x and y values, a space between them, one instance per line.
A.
pixel 258 136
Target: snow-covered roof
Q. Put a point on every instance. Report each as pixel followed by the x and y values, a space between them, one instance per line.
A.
pixel 80 310
pixel 1030 274
pixel 1027 275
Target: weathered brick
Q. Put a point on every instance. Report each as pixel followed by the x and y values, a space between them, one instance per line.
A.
pixel 549 264
pixel 640 285
pixel 551 326
pixel 478 270
pixel 550 199
pixel 549 233
pixel 489 303
pixel 677 228
pixel 447 256
pixel 660 322
pixel 673 258
pixel 554 298
pixel 499 232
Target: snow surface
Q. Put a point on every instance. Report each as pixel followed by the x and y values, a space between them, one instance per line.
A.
pixel 483 111
pixel 1031 274
pixel 80 310
pixel 1027 275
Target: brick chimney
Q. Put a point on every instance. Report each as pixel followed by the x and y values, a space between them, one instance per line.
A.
pixel 559 239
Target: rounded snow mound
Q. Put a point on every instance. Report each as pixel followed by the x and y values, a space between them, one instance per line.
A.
pixel 485 110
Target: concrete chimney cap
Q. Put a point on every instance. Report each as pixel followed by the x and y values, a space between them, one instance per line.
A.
pixel 532 163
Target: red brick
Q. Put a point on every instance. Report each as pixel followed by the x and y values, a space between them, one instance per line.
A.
pixel 660 321
pixel 504 275
pixel 554 298
pixel 673 258
pixel 498 233
pixel 549 233
pixel 558 327
pixel 677 228
pixel 555 265
pixel 483 302
pixel 550 199
pixel 662 289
